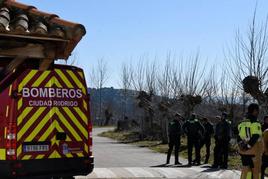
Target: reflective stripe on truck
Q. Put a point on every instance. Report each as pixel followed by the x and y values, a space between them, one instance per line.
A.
pixel 52 120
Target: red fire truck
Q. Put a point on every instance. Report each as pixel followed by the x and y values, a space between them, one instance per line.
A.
pixel 45 127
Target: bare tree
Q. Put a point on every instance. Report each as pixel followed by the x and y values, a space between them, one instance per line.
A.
pixel 194 85
pixel 229 94
pixel 143 81
pixel 164 87
pixel 169 87
pixel 99 76
pixel 138 77
pixel 126 77
pixel 177 80
pixel 212 86
pixel 151 77
pixel 248 62
pixel 164 79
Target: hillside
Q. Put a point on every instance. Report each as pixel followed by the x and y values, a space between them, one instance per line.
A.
pixel 112 99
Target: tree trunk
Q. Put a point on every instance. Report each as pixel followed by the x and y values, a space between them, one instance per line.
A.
pixel 100 107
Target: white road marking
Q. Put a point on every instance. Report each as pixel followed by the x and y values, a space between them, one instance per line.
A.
pixel 197 169
pixel 140 172
pixel 182 173
pixel 104 173
pixel 171 172
pixel 223 174
pixel 214 175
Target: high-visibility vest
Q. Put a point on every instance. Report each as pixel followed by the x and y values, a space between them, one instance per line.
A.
pixel 247 129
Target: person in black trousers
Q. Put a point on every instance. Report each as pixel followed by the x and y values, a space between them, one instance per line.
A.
pixel 265 141
pixel 222 139
pixel 174 132
pixel 207 137
pixel 194 131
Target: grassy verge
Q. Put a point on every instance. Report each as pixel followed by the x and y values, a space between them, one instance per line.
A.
pixel 157 146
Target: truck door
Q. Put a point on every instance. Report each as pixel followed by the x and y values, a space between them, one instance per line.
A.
pixel 71 123
pixel 35 116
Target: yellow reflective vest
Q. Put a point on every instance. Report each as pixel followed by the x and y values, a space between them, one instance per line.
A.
pixel 247 129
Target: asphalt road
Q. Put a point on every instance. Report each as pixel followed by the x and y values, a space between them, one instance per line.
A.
pixel 109 153
pixel 117 160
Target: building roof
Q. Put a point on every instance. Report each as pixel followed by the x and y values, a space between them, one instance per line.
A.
pixel 25 23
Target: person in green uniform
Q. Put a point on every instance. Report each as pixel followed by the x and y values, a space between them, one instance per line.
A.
pixel 222 138
pixel 174 134
pixel 194 131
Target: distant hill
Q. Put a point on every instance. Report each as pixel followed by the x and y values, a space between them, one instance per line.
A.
pixel 113 100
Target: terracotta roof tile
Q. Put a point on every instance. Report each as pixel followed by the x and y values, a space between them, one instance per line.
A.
pixel 21 19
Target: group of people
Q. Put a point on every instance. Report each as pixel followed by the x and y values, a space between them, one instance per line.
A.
pixel 199 134
pixel 251 137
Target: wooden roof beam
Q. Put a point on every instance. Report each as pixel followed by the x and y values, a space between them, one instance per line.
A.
pixel 29 51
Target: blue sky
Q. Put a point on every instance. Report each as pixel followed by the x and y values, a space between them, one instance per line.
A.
pixel 123 30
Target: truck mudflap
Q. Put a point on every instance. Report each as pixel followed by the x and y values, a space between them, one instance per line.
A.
pixel 47 168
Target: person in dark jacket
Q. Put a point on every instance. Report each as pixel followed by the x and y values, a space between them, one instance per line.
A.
pixel 222 138
pixel 174 131
pixel 194 131
pixel 265 123
pixel 209 131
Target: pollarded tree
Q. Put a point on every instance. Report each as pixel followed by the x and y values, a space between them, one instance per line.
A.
pixel 248 62
pixel 194 85
pixel 125 78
